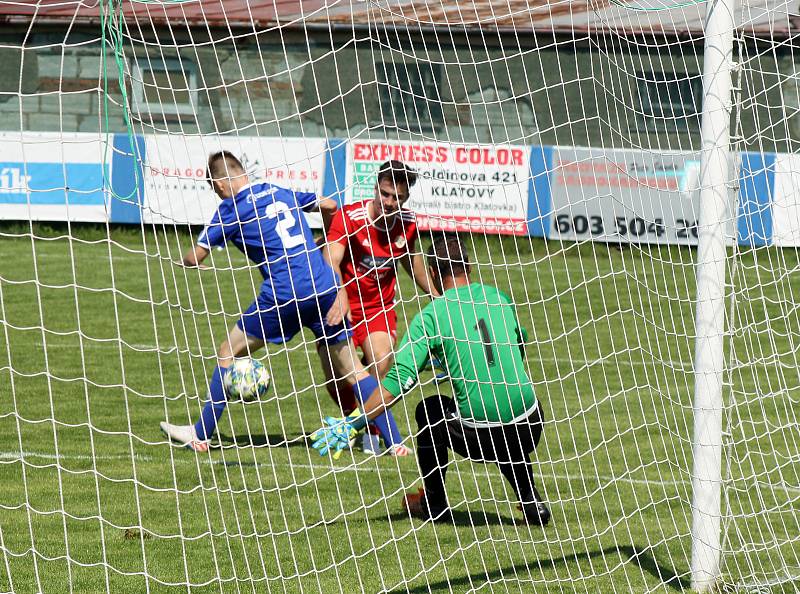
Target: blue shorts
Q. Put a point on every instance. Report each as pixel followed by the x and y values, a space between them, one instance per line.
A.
pixel 266 320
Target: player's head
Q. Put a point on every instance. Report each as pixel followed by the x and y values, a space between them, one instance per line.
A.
pixel 447 259
pixel 225 174
pixel 392 186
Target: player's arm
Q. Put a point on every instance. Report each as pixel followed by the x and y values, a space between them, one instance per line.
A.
pixel 412 355
pixel 214 234
pixel 380 401
pixel 327 208
pixel 310 202
pixel 414 265
pixel 411 358
pixel 194 257
pixel 334 251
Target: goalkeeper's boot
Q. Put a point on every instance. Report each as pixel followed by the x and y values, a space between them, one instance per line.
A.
pixel 416 504
pixel 186 436
pixel 534 513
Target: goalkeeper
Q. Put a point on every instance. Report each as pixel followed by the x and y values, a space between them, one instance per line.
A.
pixel 495 417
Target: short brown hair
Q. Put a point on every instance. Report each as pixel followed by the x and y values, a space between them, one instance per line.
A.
pixel 448 256
pixel 398 172
pixel 222 164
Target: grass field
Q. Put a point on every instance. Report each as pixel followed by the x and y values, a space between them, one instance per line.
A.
pixel 101 340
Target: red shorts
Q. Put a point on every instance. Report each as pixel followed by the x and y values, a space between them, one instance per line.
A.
pixel 377 320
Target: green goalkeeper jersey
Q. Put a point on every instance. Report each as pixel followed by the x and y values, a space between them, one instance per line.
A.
pixel 474 332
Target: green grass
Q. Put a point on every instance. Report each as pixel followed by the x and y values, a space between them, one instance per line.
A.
pixel 103 339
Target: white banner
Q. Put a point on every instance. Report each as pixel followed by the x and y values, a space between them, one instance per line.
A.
pixel 786 201
pixel 175 184
pixel 480 188
pixel 624 196
pixel 50 176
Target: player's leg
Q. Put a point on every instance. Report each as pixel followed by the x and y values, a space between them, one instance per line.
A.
pixel 348 367
pixel 520 475
pixel 261 322
pixel 197 436
pixel 508 446
pixel 377 337
pixel 238 344
pixel 340 391
pixel 371 438
pixel 433 441
pixel 378 353
pixel 379 340
pixel 377 349
pixel 335 345
pixel 513 445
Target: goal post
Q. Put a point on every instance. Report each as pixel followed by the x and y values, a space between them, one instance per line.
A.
pixel 711 303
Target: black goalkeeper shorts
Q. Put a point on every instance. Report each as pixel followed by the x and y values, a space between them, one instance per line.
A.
pixel 499 443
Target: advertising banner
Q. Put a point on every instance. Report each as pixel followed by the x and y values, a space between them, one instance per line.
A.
pixel 624 196
pixel 175 187
pixel 52 177
pixel 480 188
pixel 786 201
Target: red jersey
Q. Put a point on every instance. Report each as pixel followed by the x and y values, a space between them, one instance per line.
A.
pixel 369 266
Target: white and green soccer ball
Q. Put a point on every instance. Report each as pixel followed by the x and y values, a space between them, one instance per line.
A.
pixel 247 380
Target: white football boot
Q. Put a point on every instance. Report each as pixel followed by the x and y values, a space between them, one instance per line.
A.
pixel 185 436
pixel 399 450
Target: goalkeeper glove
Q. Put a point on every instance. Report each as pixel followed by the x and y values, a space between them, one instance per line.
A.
pixel 335 434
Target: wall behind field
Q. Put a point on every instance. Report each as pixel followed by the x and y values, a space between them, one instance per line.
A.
pixel 579 91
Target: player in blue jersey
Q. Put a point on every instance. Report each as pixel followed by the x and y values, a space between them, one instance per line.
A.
pixel 300 289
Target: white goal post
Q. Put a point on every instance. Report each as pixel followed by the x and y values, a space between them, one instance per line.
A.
pixel 709 366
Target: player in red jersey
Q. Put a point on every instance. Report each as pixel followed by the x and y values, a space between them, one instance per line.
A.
pixel 365 242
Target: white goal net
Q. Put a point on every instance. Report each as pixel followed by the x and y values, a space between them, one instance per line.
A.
pixel 561 142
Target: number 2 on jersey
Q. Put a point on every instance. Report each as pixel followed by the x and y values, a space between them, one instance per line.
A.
pixel 284 224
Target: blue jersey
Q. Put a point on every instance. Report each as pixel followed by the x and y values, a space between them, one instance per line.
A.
pixel 266 223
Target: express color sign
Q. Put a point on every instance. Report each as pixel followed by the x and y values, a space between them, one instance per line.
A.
pixel 461 187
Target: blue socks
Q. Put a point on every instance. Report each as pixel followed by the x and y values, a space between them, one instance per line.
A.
pixel 214 407
pixel 387 426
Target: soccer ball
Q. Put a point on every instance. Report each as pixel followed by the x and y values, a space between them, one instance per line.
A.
pixel 247 380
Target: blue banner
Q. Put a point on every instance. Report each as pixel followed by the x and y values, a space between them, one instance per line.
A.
pixel 127 179
pixel 756 185
pixel 61 184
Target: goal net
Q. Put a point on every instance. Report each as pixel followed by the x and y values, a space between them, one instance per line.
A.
pixel 560 140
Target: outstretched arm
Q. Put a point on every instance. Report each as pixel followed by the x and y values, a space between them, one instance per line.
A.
pixel 327 207
pixel 415 266
pixel 194 257
pixel 377 404
pixel 412 354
